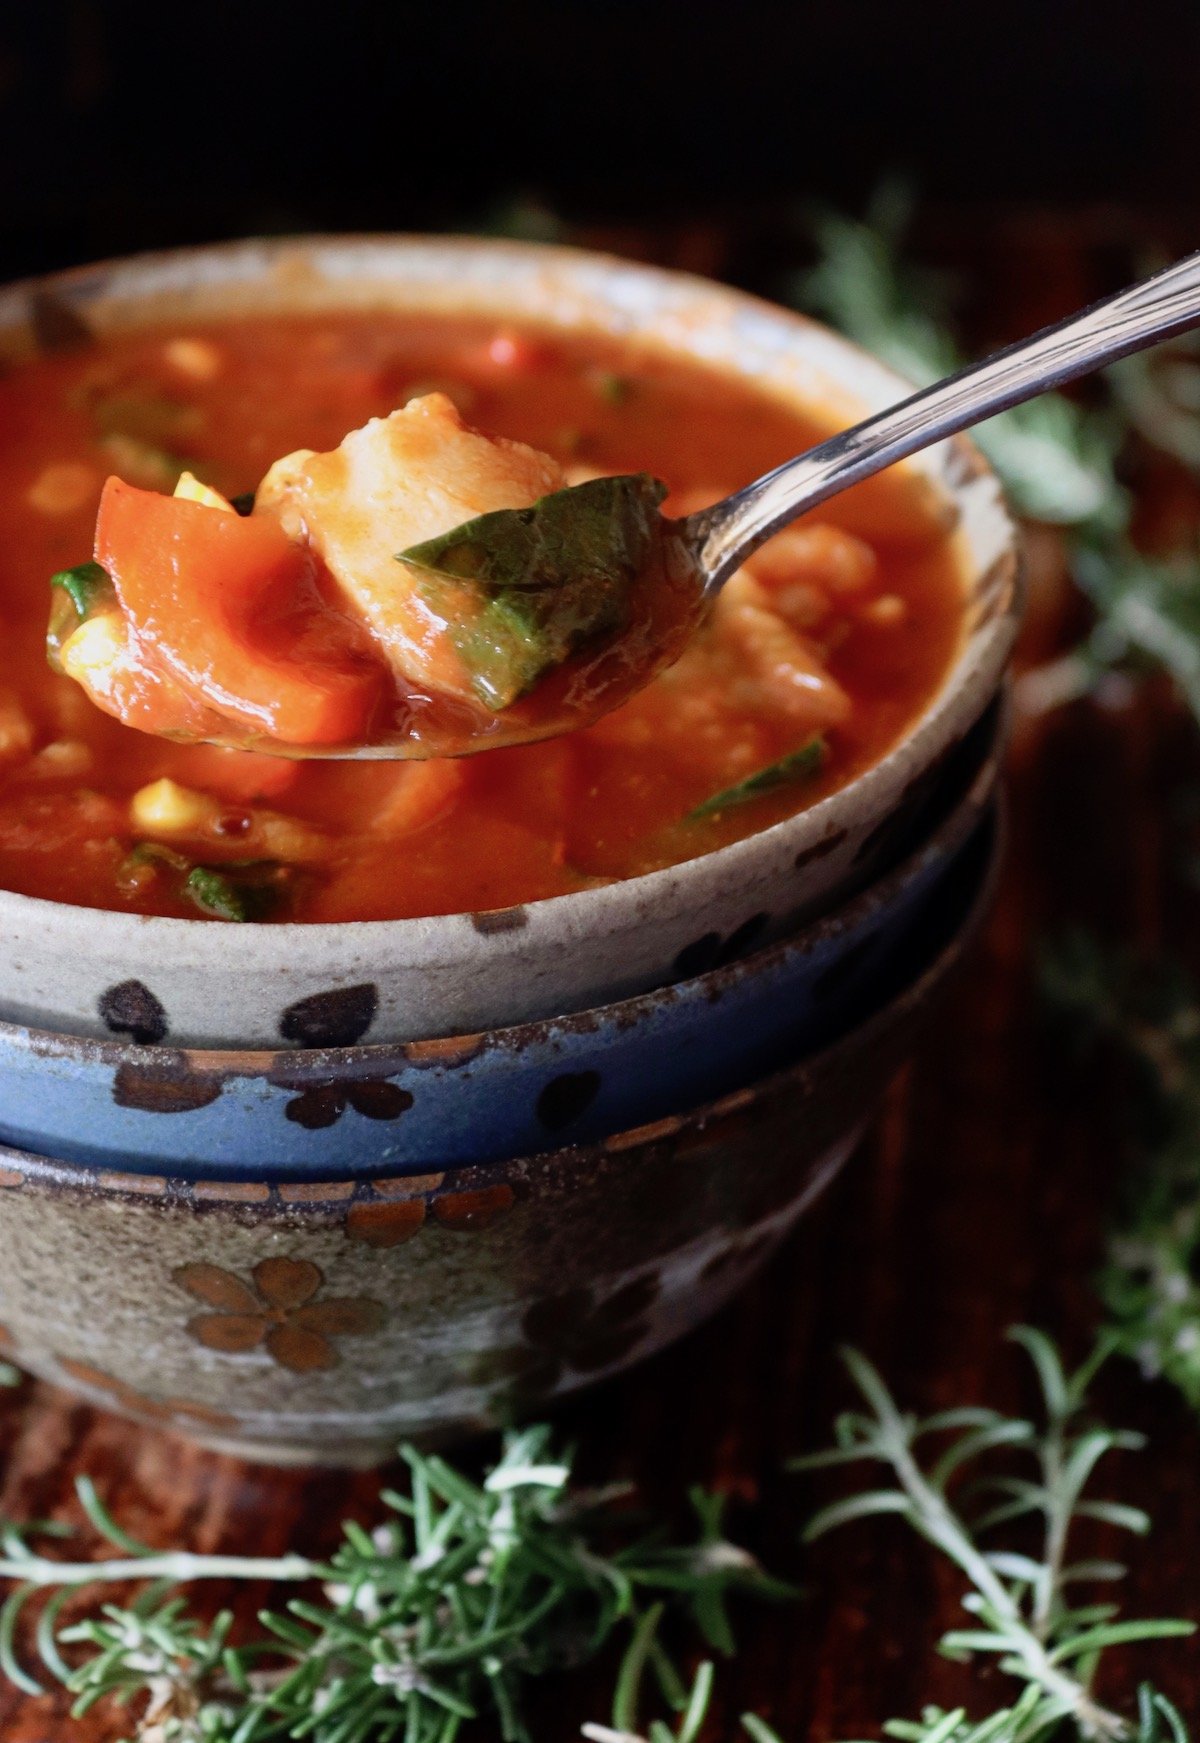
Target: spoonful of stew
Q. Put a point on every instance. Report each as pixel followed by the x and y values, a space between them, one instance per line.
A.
pixel 424 590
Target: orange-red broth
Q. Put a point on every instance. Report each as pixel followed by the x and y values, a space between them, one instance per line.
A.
pixel 381 841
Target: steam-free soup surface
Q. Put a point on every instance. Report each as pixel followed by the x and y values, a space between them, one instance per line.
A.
pixel 818 657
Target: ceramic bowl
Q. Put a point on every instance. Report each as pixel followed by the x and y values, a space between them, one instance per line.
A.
pixel 326 1320
pixel 413 1106
pixel 188 983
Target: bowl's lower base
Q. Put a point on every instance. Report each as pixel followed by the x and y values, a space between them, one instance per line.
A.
pixel 575 1338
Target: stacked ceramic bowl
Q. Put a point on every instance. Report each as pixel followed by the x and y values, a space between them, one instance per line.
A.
pixel 306 1190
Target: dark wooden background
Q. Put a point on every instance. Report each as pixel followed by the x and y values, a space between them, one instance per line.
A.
pixel 979 1200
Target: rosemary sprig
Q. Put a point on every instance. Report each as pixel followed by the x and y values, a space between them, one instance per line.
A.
pixel 1025 1616
pixel 1059 460
pixel 1150 1012
pixel 461 1595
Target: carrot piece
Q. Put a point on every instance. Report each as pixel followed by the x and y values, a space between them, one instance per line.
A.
pixel 227 606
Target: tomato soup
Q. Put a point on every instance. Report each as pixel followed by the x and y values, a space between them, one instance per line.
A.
pixel 819 655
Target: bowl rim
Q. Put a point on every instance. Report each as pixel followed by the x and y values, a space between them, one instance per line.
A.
pixel 949 835
pixel 427 937
pixel 287 1199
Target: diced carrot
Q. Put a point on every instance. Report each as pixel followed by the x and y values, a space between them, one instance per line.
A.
pixel 101 656
pixel 239 776
pixel 221 602
pixel 422 791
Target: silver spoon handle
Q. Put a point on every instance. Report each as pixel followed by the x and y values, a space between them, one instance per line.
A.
pixel 1159 307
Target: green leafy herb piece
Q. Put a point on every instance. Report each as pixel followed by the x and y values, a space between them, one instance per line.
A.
pixel 86 585
pixel 250 891
pixel 602 529
pixel 464 1591
pixel 1059 460
pixel 1150 1013
pixel 239 890
pixel 76 594
pixel 158 853
pixel 541 581
pixel 798 765
pixel 1026 1618
pixel 1056 460
pixel 613 389
pixel 462 1594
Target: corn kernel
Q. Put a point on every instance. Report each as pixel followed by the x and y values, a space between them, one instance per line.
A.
pixel 195 357
pixel 886 612
pixel 63 488
pixel 92 649
pixel 166 808
pixel 64 759
pixel 16 729
pixel 189 489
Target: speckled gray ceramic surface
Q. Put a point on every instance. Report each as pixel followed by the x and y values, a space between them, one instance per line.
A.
pixel 64 968
pixel 326 1320
pixel 481 1098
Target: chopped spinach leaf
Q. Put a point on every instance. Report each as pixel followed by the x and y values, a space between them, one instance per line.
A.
pixel 516 636
pixel 239 890
pixel 541 580
pixel 798 765
pixel 76 594
pixel 601 529
pixel 236 892
pixel 85 584
pixel 612 388
pixel 157 853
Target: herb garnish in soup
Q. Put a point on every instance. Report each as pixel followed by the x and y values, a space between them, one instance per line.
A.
pixel 299 602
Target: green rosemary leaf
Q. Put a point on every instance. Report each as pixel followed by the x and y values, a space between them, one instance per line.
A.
pixel 9 1665
pixel 1159 394
pixel 1159 1720
pixel 856 1507
pixel 758 1730
pixel 1149 1012
pixel 1056 461
pixel 1021 1621
pixel 462 1594
pixel 633 1664
pixel 1120 1634
pixel 696 1710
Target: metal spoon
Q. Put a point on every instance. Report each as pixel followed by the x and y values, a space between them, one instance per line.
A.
pixel 716 541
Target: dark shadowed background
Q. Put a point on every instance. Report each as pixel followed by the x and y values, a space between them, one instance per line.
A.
pixel 126 125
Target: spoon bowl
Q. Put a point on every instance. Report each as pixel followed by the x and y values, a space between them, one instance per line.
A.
pixel 697 555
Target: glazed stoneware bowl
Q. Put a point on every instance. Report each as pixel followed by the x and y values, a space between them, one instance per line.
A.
pixel 190 983
pixel 412 1106
pixel 325 1320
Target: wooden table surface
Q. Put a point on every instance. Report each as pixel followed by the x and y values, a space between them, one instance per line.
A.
pixel 979 1200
